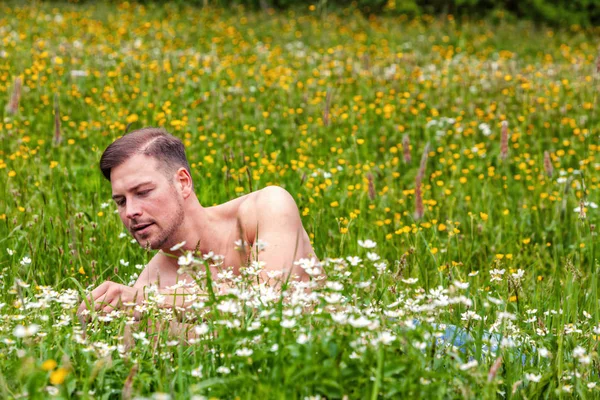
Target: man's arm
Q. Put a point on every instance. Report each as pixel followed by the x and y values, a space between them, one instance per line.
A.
pixel 111 295
pixel 276 222
pixel 155 273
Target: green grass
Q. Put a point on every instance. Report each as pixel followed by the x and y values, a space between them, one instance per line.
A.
pixel 247 92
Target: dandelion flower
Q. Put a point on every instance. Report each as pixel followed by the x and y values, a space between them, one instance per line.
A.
pixel 49 365
pixel 58 377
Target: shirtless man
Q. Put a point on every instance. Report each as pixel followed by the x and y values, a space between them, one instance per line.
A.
pixel 153 190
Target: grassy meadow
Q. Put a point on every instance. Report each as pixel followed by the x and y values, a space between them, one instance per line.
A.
pixel 447 172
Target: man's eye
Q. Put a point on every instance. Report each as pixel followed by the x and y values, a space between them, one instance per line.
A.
pixel 120 203
pixel 144 192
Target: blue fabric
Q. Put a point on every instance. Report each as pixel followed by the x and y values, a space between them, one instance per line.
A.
pixel 460 338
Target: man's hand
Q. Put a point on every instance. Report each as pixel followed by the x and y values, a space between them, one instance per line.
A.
pixel 109 296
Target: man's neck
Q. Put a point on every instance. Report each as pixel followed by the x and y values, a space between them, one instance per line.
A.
pixel 197 230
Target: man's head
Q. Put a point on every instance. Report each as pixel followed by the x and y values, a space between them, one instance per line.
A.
pixel 152 142
pixel 150 179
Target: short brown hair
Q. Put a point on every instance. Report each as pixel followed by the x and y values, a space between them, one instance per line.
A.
pixel 152 142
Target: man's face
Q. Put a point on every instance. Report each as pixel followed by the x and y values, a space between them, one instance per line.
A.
pixel 149 204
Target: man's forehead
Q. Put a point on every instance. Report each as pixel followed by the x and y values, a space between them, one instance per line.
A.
pixel 132 173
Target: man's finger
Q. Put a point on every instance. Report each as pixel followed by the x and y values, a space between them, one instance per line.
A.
pixel 102 295
pixel 105 299
pixel 114 304
pixel 100 290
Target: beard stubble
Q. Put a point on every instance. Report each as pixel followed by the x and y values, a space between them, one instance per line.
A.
pixel 166 236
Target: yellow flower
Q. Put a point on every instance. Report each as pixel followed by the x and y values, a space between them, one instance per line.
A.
pixel 57 377
pixel 132 118
pixel 268 132
pixel 334 204
pixel 513 299
pixel 441 227
pixel 483 216
pixel 100 213
pixel 53 164
pixel 509 256
pixel 526 240
pixel 49 365
pixel 81 271
pixel 12 173
pixel 499 256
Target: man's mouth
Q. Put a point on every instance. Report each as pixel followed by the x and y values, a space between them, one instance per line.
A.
pixel 141 228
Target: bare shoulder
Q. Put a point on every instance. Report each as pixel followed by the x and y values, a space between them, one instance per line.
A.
pixel 269 201
pixel 271 205
pixel 275 196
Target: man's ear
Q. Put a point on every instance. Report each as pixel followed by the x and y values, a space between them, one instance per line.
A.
pixel 183 181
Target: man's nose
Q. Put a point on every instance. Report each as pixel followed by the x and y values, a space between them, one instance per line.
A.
pixel 133 210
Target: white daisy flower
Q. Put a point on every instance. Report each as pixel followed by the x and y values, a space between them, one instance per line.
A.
pixel 533 377
pixel 367 244
pixel 178 246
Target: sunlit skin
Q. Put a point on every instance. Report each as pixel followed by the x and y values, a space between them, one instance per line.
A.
pixel 161 209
